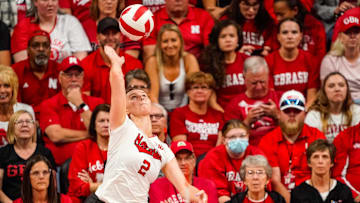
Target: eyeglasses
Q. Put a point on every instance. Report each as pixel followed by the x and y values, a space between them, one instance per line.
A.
pixel 37 45
pixel 287 102
pixel 236 136
pixel 22 122
pixel 247 6
pixel 198 87
pixel 141 87
pixel 251 173
pixel 171 88
pixel 156 116
pixel 38 173
pixel 72 74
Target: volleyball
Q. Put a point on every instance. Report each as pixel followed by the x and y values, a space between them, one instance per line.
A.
pixel 136 21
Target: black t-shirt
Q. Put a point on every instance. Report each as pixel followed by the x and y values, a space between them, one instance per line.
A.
pixel 4 37
pixel 14 166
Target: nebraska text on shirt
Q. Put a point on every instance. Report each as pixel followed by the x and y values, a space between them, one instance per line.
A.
pixel 202 128
pixel 233 80
pixel 253 38
pixel 96 167
pixel 291 78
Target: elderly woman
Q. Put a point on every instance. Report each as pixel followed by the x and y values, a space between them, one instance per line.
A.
pixel 197 122
pixel 321 187
pixel 169 67
pixel 67 35
pixel 87 165
pixel 9 86
pixel 223 162
pixel 344 57
pixel 333 110
pixel 13 157
pixel 39 183
pixel 256 173
pixel 138 79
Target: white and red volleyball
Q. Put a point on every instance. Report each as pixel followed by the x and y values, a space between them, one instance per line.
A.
pixel 136 21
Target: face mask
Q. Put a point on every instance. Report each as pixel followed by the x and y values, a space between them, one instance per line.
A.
pixel 238 145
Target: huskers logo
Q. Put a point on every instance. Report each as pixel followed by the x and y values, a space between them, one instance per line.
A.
pixel 143 147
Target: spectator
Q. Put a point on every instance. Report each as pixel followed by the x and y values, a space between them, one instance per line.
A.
pixel 333 110
pixel 37 74
pixel 257 26
pixel 340 21
pixel 159 117
pixel 257 106
pixel 290 67
pixel 286 145
pixel 162 189
pixel 223 162
pixel 65 117
pixel 222 59
pixel 13 11
pixel 87 165
pixel 314 36
pixel 321 187
pixel 39 183
pixel 138 79
pixel 344 55
pixel 256 173
pixel 67 35
pixel 197 122
pixel 13 157
pixel 5 57
pixel 98 64
pixel 9 85
pixel 195 24
pixel 168 68
pixel 347 159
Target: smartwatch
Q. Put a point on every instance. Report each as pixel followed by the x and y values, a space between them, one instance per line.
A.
pixel 83 107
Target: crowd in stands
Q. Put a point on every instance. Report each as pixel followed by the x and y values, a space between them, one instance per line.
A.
pixel 258 100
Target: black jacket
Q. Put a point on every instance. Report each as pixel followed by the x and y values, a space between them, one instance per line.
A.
pixel 305 193
pixel 239 197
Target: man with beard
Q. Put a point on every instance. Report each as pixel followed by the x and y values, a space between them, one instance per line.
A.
pixel 285 146
pixel 97 65
pixel 37 74
pixel 65 117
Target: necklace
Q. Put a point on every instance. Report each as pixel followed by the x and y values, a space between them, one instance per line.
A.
pixel 329 186
pixel 260 200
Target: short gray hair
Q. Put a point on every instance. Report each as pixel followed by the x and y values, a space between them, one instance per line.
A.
pixel 254 64
pixel 161 108
pixel 255 161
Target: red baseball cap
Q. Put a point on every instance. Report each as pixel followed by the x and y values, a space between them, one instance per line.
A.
pixel 70 62
pixel 39 33
pixel 349 21
pixel 181 145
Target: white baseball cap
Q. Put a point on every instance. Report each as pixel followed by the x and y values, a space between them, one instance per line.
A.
pixel 292 99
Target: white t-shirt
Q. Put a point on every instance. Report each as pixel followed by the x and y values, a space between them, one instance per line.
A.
pixel 67 37
pixel 17 107
pixel 133 163
pixel 336 122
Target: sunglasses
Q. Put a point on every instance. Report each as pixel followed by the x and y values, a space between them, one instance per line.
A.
pixel 171 88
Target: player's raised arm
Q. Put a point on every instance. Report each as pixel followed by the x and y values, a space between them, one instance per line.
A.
pixel 118 93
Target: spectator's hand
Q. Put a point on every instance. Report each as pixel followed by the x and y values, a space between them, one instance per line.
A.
pixel 202 196
pixel 84 176
pixel 216 12
pixel 247 49
pixel 270 109
pixel 344 6
pixel 74 96
pixel 253 114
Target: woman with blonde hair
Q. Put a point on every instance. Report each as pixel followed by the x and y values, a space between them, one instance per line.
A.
pixel 13 157
pixel 9 85
pixel 333 110
pixel 168 68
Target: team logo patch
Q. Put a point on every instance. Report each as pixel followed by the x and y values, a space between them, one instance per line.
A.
pixel 142 146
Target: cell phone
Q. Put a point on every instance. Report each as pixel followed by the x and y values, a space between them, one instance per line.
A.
pixel 257 52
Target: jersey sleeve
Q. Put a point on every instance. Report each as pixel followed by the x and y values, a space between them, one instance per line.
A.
pixel 327 66
pixel 168 155
pixel 177 123
pixel 313 119
pixel 48 115
pixel 21 35
pixel 342 143
pixel 156 191
pixel 314 73
pixel 269 150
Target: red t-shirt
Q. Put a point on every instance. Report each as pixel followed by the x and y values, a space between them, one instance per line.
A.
pixel 57 111
pixel 201 130
pixel 224 171
pixel 32 90
pixel 300 74
pixel 87 156
pixel 239 107
pixel 195 28
pixel 63 199
pixel 97 73
pixel 234 83
pixel 279 152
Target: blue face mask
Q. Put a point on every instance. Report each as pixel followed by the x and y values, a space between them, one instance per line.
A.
pixel 238 145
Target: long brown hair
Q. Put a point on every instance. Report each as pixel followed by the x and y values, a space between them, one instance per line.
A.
pixel 322 103
pixel 95 12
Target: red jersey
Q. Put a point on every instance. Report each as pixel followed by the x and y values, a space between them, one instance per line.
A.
pixel 57 111
pixel 347 158
pixel 87 156
pixel 224 171
pixel 63 199
pixel 33 90
pixel 290 158
pixel 162 190
pixel 195 28
pixel 239 107
pixel 97 73
pixel 234 83
pixel 300 74
pixel 201 130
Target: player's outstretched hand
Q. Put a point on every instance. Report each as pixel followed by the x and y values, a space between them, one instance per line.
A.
pixel 116 60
